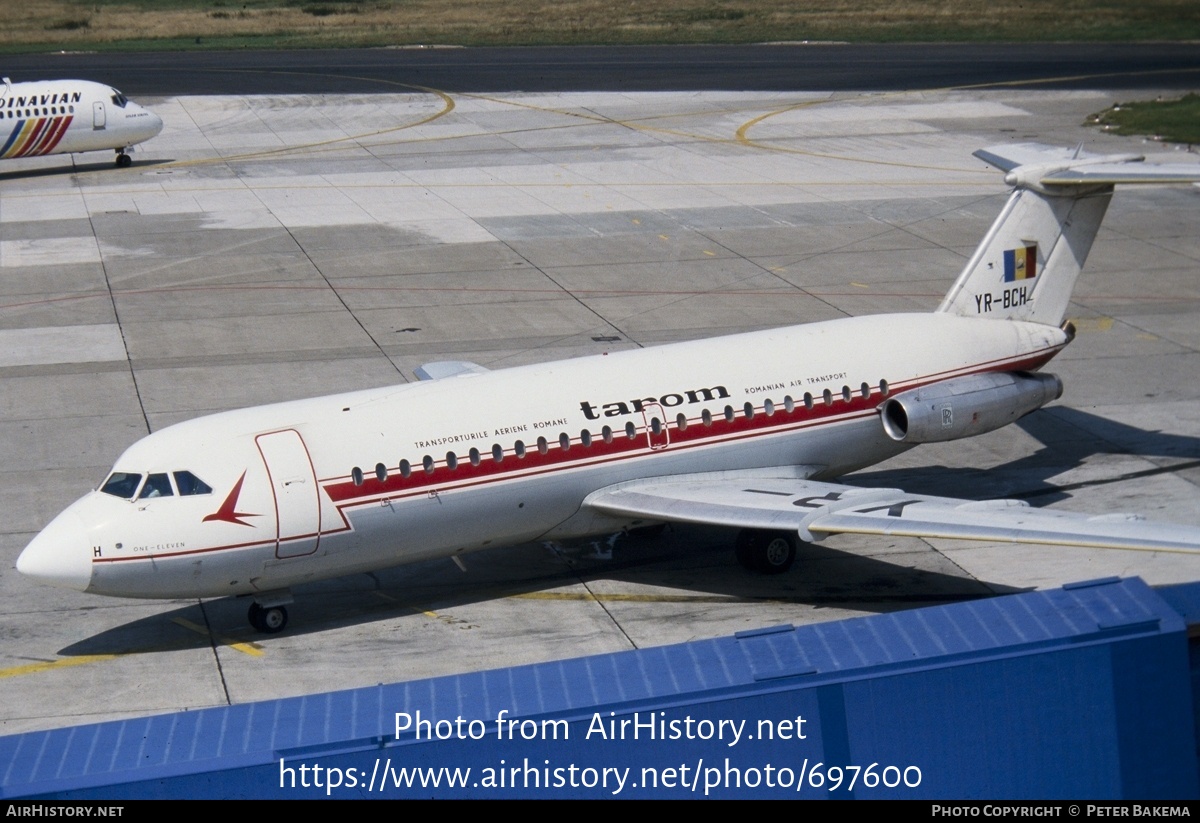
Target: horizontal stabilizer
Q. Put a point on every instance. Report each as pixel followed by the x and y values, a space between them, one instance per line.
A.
pixel 815 509
pixel 441 369
pixel 1040 167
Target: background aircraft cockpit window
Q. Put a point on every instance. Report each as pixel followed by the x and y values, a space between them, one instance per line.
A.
pixel 122 484
pixel 157 485
pixel 119 100
pixel 188 483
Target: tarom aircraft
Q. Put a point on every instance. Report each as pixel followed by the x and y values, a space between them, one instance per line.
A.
pixel 68 116
pixel 743 431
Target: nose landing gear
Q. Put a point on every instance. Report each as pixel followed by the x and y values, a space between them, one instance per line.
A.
pixel 269 620
pixel 267 613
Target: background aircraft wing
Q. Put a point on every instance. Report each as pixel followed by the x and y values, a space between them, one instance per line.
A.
pixel 814 510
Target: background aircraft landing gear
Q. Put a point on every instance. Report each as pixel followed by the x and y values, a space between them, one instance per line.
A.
pixel 765 551
pixel 270 620
pixel 124 161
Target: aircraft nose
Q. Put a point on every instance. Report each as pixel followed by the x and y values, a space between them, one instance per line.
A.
pixel 59 555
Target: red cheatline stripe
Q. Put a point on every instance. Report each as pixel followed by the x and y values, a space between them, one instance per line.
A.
pixel 342 490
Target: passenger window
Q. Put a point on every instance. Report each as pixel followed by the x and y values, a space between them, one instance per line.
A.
pixel 748 410
pixel 564 442
pixel 656 425
pixel 157 485
pixel 585 437
pixel 789 404
pixel 380 472
pixel 122 484
pixel 729 413
pixel 828 396
pixel 883 388
pixel 476 457
pixel 846 394
pixel 356 475
pixel 681 422
pixel 427 464
pixel 769 408
pixel 519 449
pixel 630 430
pixel 808 401
pixel 865 391
pixel 405 468
pixel 189 484
pixel 543 445
pixel 606 433
pixel 451 460
pixel 706 417
pixel 497 453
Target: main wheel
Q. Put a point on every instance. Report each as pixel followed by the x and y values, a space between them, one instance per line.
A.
pixel 268 621
pixel 777 552
pixel 765 552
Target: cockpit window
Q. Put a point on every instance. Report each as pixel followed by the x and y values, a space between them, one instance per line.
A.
pixel 157 485
pixel 122 484
pixel 119 100
pixel 188 483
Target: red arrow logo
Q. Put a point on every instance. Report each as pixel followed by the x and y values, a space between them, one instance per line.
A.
pixel 228 511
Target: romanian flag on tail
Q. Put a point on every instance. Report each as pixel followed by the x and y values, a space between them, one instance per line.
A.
pixel 1020 264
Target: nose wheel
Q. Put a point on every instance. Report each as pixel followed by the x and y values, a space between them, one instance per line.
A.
pixel 124 161
pixel 270 620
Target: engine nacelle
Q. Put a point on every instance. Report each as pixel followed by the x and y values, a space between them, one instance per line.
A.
pixel 966 406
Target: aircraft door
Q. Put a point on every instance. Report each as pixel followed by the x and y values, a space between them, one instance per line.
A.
pixel 657 436
pixel 294 485
pixel 98 116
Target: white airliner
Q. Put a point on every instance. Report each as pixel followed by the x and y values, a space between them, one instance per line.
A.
pixel 742 431
pixel 68 116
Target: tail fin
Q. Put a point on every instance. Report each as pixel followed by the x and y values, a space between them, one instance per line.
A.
pixel 1026 266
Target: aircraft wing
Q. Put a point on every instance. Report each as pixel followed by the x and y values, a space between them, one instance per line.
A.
pixel 815 510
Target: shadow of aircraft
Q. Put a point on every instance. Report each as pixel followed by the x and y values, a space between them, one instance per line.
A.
pixel 1068 437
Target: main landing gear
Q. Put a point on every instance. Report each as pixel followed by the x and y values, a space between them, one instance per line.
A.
pixel 766 552
pixel 268 620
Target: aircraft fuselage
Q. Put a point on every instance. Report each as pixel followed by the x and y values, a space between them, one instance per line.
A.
pixel 319 488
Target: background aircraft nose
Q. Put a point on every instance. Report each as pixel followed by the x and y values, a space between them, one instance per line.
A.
pixel 59 555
